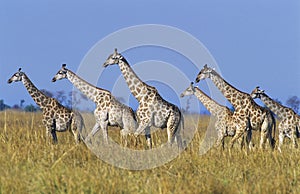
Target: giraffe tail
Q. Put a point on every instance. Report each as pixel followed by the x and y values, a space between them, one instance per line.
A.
pixel 273 130
pixel 182 124
pixel 298 130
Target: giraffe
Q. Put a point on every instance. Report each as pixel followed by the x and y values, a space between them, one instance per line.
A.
pixel 153 110
pixel 289 124
pixel 247 114
pixel 56 117
pixel 109 111
pixel 223 124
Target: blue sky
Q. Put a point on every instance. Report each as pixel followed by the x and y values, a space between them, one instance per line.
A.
pixel 254 43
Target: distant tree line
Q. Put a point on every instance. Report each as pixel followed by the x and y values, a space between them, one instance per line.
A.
pixel 69 100
pixel 74 98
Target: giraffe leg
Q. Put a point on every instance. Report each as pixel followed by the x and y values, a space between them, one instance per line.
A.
pixel 77 126
pixel 173 130
pixel 95 129
pixel 178 140
pixel 144 127
pixel 237 135
pixel 281 138
pixel 48 128
pixel 267 128
pixel 93 132
pixel 249 139
pixel 54 137
pixel 53 131
pixel 220 139
pixel 74 130
pixel 124 136
pixel 241 141
pixel 263 139
pixel 264 134
pixel 294 137
pixel 103 126
pixel 76 134
pixel 101 123
pixel 148 137
pixel 140 129
pixel 271 140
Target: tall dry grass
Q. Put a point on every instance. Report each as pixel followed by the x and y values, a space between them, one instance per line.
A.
pixel 30 164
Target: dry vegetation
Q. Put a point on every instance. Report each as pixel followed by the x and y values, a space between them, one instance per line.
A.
pixel 31 165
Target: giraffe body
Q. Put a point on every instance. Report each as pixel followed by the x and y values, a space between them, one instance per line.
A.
pixel 289 121
pixel 153 110
pixel 109 111
pixel 56 117
pixel 248 115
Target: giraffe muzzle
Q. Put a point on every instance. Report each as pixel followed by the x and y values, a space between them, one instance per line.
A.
pixel 105 64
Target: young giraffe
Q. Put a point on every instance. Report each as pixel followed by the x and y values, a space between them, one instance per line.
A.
pixel 109 111
pixel 290 122
pixel 153 110
pixel 247 114
pixel 56 117
pixel 223 124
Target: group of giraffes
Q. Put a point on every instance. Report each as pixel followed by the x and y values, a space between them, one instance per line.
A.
pixel 153 110
pixel 247 114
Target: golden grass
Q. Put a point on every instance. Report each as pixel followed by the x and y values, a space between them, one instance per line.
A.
pixel 29 164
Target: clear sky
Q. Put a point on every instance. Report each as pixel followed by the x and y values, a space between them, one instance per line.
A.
pixel 253 42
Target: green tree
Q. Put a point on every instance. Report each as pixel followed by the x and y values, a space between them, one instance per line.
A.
pixel 294 103
pixel 31 108
pixel 3 106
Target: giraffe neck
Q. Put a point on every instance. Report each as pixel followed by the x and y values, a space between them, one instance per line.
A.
pixel 233 95
pixel 86 88
pixel 212 106
pixel 136 85
pixel 39 97
pixel 274 106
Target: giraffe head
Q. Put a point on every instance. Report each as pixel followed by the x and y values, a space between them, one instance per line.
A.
pixel 113 59
pixel 256 93
pixel 61 74
pixel 189 91
pixel 204 73
pixel 16 77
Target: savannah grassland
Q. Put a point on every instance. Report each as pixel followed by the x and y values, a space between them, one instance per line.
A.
pixel 31 165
